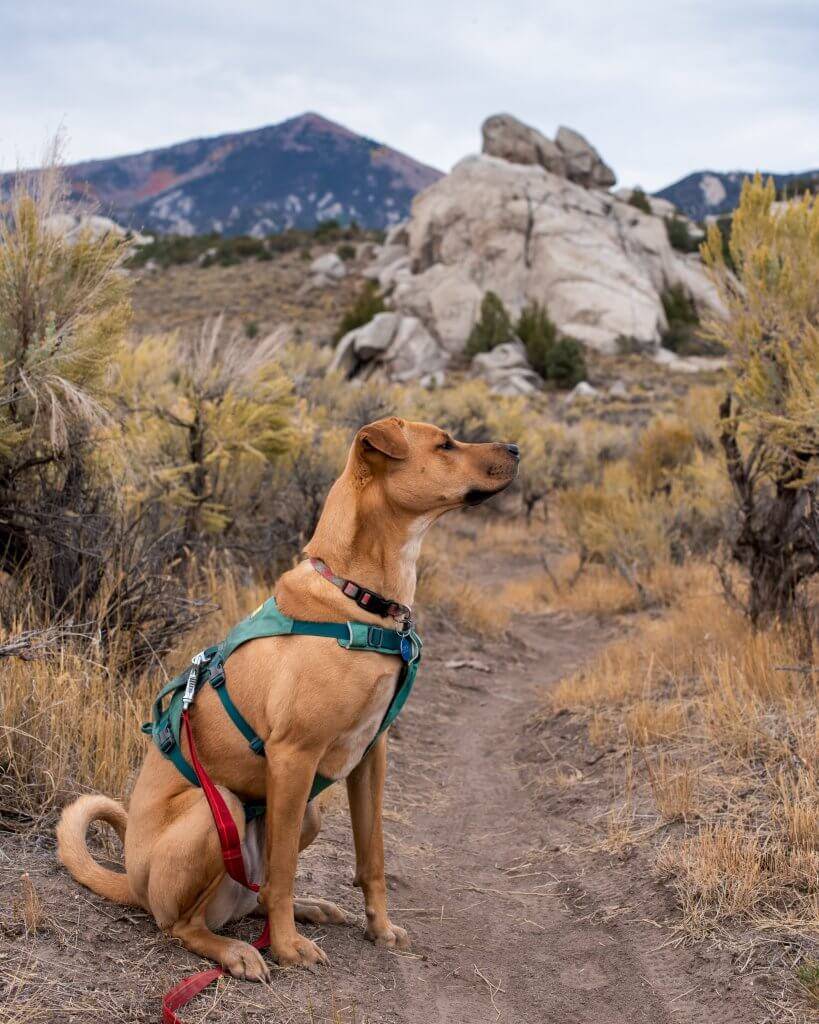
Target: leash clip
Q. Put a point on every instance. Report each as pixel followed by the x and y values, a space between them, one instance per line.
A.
pixel 193 678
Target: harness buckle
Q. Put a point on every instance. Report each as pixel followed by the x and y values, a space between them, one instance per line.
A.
pixel 216 678
pixel 375 636
pixel 367 600
pixel 165 739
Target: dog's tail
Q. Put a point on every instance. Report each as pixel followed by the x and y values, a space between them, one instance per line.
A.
pixel 72 848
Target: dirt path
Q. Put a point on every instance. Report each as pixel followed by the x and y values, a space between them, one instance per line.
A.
pixel 505 925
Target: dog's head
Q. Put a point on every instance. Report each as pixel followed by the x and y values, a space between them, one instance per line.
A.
pixel 422 469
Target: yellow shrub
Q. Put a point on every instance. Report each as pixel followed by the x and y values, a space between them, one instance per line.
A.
pixel 663 448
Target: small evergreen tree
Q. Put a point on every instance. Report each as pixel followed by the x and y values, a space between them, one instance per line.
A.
pixel 492 328
pixel 679 235
pixel 639 199
pixel 367 304
pixel 566 365
pixel 556 359
pixel 539 335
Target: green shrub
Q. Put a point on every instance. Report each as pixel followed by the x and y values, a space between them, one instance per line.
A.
pixel 640 200
pixel 327 229
pixel 683 334
pixel 251 329
pixel 492 328
pixel 367 304
pixel 345 251
pixel 556 359
pixel 678 305
pixel 565 365
pixel 538 334
pixel 678 234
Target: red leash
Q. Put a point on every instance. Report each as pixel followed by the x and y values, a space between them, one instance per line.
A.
pixel 231 845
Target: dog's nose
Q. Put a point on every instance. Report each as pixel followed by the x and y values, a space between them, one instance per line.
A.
pixel 513 449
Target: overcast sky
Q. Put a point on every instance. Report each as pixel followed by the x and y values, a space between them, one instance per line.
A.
pixel 660 88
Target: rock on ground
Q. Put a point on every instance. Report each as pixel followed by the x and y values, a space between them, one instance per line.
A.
pixel 506 370
pixel 72 225
pixel 398 346
pixel 328 269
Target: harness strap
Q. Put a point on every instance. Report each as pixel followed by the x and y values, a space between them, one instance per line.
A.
pixel 216 678
pixel 180 995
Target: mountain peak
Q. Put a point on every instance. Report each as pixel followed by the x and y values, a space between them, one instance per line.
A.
pixel 292 174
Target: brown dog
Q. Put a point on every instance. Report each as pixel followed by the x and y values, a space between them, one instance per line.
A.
pixel 317 707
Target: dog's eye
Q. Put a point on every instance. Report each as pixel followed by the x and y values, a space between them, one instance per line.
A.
pixel 446 445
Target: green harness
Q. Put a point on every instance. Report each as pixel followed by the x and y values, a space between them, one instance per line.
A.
pixel 209 666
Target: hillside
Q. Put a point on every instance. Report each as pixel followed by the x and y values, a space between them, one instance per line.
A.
pixel 292 174
pixel 705 193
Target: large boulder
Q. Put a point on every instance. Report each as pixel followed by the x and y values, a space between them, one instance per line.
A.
pixel 413 353
pixel 597 263
pixel 584 164
pixel 445 297
pixel 506 370
pixel 571 155
pixel 398 346
pixel 506 137
pixel 72 226
pixel 328 269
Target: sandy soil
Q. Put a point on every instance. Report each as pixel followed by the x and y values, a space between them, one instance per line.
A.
pixel 508 924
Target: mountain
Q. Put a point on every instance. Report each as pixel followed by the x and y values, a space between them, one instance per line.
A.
pixel 705 193
pixel 292 174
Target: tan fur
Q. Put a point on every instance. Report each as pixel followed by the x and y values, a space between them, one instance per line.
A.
pixel 72 848
pixel 316 706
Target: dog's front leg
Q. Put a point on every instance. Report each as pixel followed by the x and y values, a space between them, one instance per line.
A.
pixel 289 778
pixel 365 790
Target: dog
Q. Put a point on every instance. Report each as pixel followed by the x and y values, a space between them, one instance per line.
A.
pixel 317 707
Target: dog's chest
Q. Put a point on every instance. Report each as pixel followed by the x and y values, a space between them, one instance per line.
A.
pixel 349 748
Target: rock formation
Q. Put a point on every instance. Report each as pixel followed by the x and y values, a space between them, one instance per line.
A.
pixel 570 156
pixel 532 225
pixel 72 225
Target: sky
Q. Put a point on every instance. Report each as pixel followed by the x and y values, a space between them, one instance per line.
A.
pixel 661 89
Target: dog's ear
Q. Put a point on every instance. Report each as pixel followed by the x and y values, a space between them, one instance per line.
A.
pixel 389 437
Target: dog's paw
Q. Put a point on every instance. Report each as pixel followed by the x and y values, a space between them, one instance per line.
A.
pixel 245 961
pixel 296 950
pixel 389 935
pixel 311 910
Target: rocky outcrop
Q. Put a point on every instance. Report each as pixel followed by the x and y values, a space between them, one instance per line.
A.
pixel 506 370
pixel 534 225
pixel 72 225
pixel 327 270
pixel 666 209
pixel 571 155
pixel 597 263
pixel 584 164
pixel 391 345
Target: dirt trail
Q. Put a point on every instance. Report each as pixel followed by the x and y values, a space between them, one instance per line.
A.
pixel 505 926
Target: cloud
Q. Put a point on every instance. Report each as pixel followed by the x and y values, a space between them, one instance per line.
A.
pixel 660 89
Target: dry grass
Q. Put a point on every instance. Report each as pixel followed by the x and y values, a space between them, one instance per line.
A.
pixel 445 591
pixel 601 591
pixel 720 729
pixel 68 723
